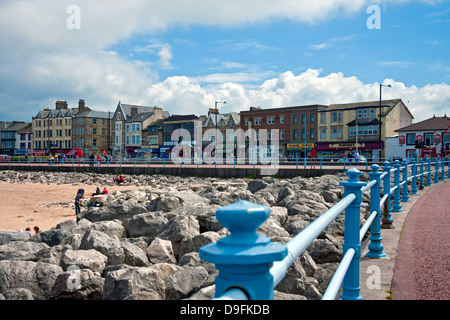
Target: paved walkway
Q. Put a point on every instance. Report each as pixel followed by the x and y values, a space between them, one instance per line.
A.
pixel 417 266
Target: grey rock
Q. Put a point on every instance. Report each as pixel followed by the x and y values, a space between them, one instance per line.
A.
pixel 84 259
pixel 35 276
pixel 105 244
pixel 8 236
pixel 18 294
pixel 184 282
pixel 126 283
pixel 160 250
pixel 78 284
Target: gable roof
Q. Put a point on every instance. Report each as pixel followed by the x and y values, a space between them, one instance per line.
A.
pixel 390 104
pixel 432 124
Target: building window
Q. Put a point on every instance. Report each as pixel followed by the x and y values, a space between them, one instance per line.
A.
pixel 312 117
pixel 410 139
pixel 323 118
pixel 311 133
pixel 294 134
pixel 282 119
pixel 323 133
pixel 258 121
pixel 294 118
pixel 336 133
pixel 271 120
pixel 303 118
pixel 336 116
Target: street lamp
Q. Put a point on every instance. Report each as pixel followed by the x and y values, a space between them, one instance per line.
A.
pixel 305 148
pixel 381 85
pixel 217 111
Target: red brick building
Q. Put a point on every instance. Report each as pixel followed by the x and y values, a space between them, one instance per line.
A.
pixel 269 119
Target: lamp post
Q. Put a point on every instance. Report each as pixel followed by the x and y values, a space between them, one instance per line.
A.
pixel 305 149
pixel 381 85
pixel 217 111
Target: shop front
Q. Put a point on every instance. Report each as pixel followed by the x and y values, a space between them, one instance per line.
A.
pixel 337 150
pixel 300 150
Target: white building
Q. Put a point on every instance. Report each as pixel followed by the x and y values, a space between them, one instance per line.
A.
pixel 434 132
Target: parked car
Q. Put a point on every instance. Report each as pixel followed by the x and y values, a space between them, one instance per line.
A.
pixel 4 158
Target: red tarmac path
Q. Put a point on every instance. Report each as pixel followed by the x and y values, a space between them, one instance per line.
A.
pixel 422 269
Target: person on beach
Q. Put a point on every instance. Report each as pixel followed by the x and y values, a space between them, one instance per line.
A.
pixel 36 230
pixel 78 205
pixel 28 231
pixel 105 191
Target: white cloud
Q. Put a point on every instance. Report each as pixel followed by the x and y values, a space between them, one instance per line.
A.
pixel 181 95
pixel 42 61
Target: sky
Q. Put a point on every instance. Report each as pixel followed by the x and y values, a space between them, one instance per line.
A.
pixel 183 56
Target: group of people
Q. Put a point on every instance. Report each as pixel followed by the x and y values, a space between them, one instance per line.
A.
pixel 28 230
pixel 96 160
pixel 80 195
pixel 119 179
pixel 351 156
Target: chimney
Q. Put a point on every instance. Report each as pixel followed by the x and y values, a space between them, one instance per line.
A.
pixel 134 111
pixel 213 111
pixel 81 105
pixel 61 105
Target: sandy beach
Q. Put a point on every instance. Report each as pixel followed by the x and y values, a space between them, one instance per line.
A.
pixel 25 205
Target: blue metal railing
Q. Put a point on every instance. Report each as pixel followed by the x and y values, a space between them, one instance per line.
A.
pixel 250 265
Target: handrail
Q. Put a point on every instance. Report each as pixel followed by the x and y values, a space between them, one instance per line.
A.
pixel 297 245
pixel 336 281
pixel 350 203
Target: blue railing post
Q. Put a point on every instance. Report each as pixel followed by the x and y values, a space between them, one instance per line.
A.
pixel 448 168
pixel 244 258
pixel 396 206
pixel 436 170
pixel 387 218
pixel 375 246
pixel 429 172
pixel 421 175
pixel 443 169
pixel 414 177
pixel 351 286
pixel 405 195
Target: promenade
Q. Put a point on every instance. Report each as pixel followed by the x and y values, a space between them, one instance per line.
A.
pixel 417 262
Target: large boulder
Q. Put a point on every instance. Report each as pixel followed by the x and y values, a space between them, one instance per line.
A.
pixel 20 250
pixel 105 244
pixel 78 284
pixel 125 283
pixel 148 224
pixel 8 236
pixel 184 282
pixel 84 259
pixel 37 277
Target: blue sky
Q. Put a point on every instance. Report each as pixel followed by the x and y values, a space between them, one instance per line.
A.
pixel 183 56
